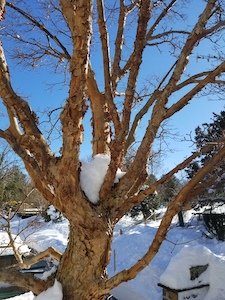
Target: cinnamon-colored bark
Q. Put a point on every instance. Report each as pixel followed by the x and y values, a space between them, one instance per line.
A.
pixel 82 268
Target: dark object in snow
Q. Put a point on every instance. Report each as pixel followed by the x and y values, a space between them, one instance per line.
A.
pixel 197 292
pixel 196 271
pixel 11 291
pixel 215 224
pixel 37 268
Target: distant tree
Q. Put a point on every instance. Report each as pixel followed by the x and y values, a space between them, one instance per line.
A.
pixel 166 193
pixel 149 204
pixel 210 134
pixel 192 169
pixel 169 190
pixel 16 189
pixel 13 188
pixel 13 181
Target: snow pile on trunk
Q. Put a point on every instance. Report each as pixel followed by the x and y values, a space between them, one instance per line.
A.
pixel 92 176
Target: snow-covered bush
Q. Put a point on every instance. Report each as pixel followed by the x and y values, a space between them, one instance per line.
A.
pixel 52 214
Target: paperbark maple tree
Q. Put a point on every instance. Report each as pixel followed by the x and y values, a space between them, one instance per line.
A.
pixel 82 267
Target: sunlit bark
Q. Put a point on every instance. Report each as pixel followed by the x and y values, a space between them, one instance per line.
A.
pixel 82 268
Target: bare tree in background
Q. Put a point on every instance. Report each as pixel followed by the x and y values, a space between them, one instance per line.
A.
pixel 58 35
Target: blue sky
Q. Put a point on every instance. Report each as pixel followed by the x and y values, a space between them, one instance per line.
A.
pixel 33 85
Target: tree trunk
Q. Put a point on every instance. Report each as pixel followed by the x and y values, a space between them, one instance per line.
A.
pixel 82 269
pixel 181 218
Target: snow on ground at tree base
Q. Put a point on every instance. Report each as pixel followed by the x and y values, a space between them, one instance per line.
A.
pixel 53 293
pixel 92 176
pixel 131 240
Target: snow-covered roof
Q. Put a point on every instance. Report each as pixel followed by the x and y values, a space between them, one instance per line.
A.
pixel 177 275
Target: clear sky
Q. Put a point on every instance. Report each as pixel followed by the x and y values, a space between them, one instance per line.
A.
pixel 33 85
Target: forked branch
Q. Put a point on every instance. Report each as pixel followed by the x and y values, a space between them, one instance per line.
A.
pixel 50 252
pixel 159 19
pixel 135 200
pixel 28 282
pixel 173 208
pixel 210 78
pixel 41 26
pixel 106 65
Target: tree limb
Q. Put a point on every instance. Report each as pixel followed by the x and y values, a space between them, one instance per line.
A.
pixel 106 64
pixel 131 136
pixel 196 34
pixel 51 251
pixel 139 45
pixel 65 53
pixel 159 19
pixel 2 9
pixel 28 282
pixel 78 19
pixel 118 45
pixel 135 200
pixel 159 112
pixel 172 209
pixel 166 33
pixel 105 50
pixel 117 144
pixel 16 106
pixel 184 100
pixel 128 64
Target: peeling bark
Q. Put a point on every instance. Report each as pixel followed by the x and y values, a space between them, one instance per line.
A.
pixel 92 248
pixel 82 268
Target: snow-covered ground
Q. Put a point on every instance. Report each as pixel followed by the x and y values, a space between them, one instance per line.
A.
pixel 183 246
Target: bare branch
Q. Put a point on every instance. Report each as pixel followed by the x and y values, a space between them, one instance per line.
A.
pixel 118 44
pixel 160 112
pixel 28 282
pixel 137 119
pixel 159 19
pixel 16 106
pixel 106 64
pixel 116 146
pixel 101 130
pixel 196 34
pixel 165 34
pixel 135 200
pixel 124 11
pixel 105 50
pixel 79 22
pixel 173 208
pixel 129 61
pixel 213 29
pixel 144 15
pixel 51 251
pixel 17 255
pixel 2 9
pixel 184 100
pixel 65 53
